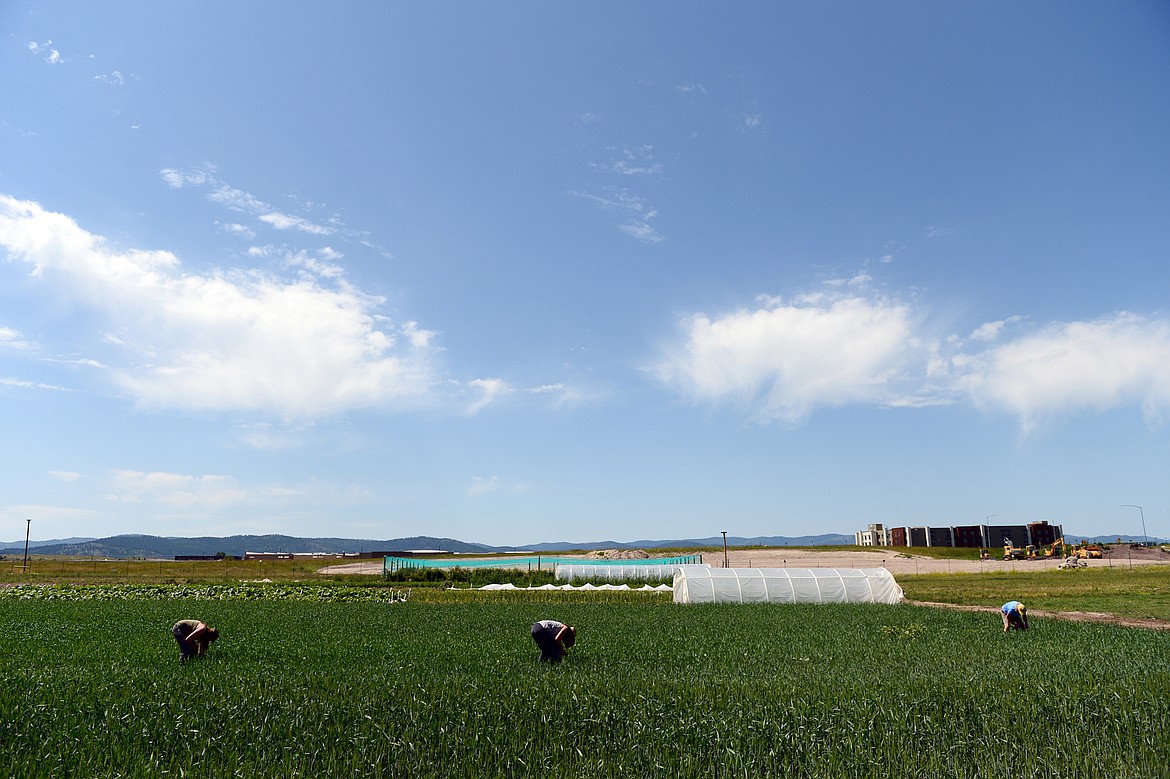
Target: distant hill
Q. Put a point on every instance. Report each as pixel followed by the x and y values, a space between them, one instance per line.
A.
pixel 1113 539
pixel 19 543
pixel 156 547
pixel 167 548
pixel 828 539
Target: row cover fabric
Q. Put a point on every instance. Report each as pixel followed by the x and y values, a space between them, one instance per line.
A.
pixel 612 572
pixel 703 584
pixel 583 587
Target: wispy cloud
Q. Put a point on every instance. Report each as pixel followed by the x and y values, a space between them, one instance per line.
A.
pixel 242 201
pixel 623 200
pixel 12 339
pixel 176 490
pixel 487 391
pixel 638 161
pixel 33 385
pixel 486 485
pixel 114 77
pixel 623 164
pixel 225 341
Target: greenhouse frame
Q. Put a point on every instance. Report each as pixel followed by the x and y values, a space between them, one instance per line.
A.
pixel 703 584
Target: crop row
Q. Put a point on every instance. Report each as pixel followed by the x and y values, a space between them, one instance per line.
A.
pixel 302 688
pixel 252 591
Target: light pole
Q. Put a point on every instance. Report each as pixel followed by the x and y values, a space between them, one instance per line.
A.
pixel 987 539
pixel 724 548
pixel 27 528
pixel 1145 538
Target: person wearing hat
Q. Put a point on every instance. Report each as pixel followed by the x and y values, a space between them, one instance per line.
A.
pixel 1015 615
pixel 554 639
pixel 194 637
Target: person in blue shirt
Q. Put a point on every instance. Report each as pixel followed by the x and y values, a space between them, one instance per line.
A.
pixel 1015 615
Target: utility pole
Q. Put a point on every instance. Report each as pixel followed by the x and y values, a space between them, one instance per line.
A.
pixel 725 549
pixel 27 528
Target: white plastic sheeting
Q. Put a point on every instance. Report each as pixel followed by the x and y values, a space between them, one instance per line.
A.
pixel 613 572
pixel 703 584
pixel 582 588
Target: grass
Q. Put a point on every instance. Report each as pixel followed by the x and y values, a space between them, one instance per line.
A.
pixel 305 687
pixel 1142 591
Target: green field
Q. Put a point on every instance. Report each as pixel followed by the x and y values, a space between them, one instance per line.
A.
pixel 318 683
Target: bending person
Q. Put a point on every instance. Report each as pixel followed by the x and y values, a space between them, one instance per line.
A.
pixel 554 639
pixel 1015 615
pixel 194 637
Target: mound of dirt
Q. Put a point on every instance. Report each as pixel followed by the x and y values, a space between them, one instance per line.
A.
pixel 618 554
pixel 1137 553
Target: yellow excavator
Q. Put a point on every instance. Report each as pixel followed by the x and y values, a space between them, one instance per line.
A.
pixel 1057 548
pixel 1013 552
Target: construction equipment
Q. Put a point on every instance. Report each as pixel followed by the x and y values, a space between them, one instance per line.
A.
pixel 1089 552
pixel 1013 552
pixel 1056 549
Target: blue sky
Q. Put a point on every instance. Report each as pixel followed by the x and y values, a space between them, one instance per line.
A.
pixel 522 272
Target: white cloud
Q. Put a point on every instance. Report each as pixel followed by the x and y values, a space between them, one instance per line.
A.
pixel 481 485
pixel 231 341
pixel 65 475
pixel 488 390
pixel 178 179
pixel 780 361
pixel 22 384
pixel 12 339
pixel 174 489
pixel 243 202
pixel 485 485
pixel 637 161
pixel 620 199
pixel 52 56
pixel 615 199
pixel 990 331
pixel 1068 367
pixel 642 230
pixel 285 222
pixel 235 228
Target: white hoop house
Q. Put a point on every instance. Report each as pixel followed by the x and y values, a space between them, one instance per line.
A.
pixel 703 584
pixel 615 572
